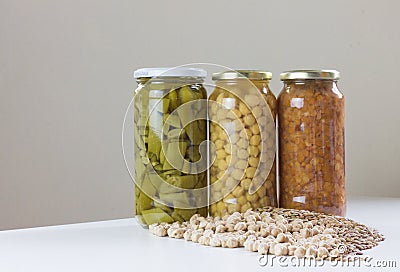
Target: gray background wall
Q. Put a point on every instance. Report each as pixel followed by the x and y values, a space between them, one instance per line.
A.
pixel 65 82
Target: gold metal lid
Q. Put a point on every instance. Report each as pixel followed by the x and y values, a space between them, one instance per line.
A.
pixel 237 74
pixel 310 74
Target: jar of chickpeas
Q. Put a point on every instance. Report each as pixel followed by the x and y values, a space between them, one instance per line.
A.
pixel 242 112
pixel 311 142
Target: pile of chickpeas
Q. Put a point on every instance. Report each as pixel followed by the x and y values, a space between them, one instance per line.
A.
pixel 277 231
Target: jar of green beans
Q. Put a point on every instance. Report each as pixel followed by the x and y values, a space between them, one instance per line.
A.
pixel 170 150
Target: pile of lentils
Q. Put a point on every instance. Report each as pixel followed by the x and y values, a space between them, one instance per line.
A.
pixel 277 231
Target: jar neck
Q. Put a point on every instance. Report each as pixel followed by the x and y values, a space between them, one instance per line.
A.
pixel 261 85
pixel 321 82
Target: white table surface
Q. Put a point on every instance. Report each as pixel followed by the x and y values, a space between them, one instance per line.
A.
pixel 123 245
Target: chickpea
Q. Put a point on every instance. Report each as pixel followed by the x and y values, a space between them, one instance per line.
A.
pixel 245 206
pixel 281 249
pixel 255 129
pixel 237 174
pixel 238 191
pixel 261 193
pixel 242 154
pixel 242 201
pixel 255 140
pixel 253 161
pixel 252 198
pixel 241 164
pixel 300 252
pixel 219 144
pixel 311 252
pixel 233 138
pixel 322 253
pixel 231 182
pixel 257 111
pixel 245 184
pixel 252 100
pixel 249 120
pixel 222 165
pixel 250 171
pixel 228 149
pixel 221 154
pixel 243 109
pixel 246 133
pixel 254 151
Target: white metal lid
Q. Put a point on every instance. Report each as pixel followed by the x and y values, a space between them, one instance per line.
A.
pixel 170 72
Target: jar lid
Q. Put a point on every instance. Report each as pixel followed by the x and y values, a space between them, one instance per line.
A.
pixel 170 72
pixel 249 74
pixel 310 74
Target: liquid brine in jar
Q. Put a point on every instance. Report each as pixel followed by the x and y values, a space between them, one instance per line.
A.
pixel 311 142
pixel 242 112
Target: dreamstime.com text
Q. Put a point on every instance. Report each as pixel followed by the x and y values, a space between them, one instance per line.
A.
pixel 347 261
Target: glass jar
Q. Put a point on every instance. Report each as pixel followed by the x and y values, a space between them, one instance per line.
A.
pixel 242 112
pixel 311 142
pixel 170 114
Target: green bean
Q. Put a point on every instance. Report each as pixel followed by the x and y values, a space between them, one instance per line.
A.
pixel 173 97
pixel 185 182
pixel 143 201
pixel 156 215
pixel 186 94
pixel 181 197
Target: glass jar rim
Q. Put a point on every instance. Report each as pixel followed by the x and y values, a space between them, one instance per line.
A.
pixel 310 74
pixel 164 72
pixel 243 74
